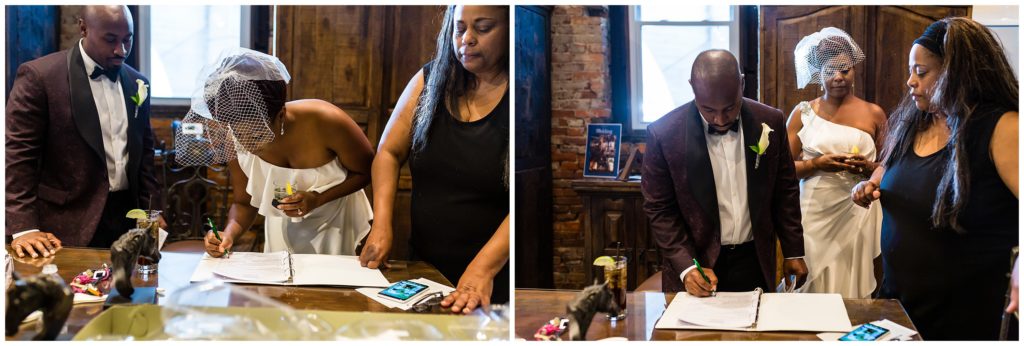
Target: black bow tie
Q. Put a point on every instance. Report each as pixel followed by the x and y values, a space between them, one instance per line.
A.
pixel 735 127
pixel 99 71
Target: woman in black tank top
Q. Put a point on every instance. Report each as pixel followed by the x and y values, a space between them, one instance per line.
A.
pixel 452 124
pixel 948 185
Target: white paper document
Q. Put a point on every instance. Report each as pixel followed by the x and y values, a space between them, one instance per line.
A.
pixel 725 309
pixel 757 311
pixel 282 268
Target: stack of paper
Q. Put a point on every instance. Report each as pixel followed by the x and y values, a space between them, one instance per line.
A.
pixel 725 309
pixel 255 266
pixel 282 268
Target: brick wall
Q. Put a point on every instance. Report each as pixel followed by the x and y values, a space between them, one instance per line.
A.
pixel 580 95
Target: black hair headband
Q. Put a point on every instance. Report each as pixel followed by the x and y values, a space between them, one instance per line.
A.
pixel 933 37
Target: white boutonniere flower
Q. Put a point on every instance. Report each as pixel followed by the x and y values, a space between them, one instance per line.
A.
pixel 140 95
pixel 762 144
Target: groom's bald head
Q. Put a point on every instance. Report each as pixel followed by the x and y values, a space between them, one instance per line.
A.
pixel 107 34
pixel 717 87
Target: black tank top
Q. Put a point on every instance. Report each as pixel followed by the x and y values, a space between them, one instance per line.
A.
pixel 459 197
pixel 952 285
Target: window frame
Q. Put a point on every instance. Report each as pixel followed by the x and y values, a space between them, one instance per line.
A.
pixel 142 50
pixel 635 26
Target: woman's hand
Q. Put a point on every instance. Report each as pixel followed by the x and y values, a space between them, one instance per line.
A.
pixel 831 162
pixel 865 192
pixel 377 248
pixel 300 203
pixel 860 165
pixel 474 290
pixel 218 247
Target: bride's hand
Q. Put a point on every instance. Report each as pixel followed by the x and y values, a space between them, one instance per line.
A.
pixel 831 162
pixel 858 164
pixel 300 203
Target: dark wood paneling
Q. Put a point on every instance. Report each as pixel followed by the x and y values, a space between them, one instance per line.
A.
pixel 893 29
pixel 414 39
pixel 32 32
pixel 533 229
pixel 534 234
pixel 333 53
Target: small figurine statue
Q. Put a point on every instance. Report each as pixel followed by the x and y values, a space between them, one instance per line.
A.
pixel 41 292
pixel 593 299
pixel 124 254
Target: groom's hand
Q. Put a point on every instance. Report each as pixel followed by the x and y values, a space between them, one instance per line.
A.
pixel 796 266
pixel 697 286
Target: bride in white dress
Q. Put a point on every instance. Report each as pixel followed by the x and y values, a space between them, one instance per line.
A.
pixel 310 147
pixel 834 142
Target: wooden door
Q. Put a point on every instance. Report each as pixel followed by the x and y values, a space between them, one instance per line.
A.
pixel 533 148
pixel 892 31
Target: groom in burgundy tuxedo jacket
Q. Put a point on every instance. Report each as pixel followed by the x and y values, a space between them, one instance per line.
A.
pixel 79 149
pixel 715 191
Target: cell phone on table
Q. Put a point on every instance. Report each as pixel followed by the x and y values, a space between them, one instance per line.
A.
pixel 866 332
pixel 403 291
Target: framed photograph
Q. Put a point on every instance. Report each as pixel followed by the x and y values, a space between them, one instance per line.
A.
pixel 603 144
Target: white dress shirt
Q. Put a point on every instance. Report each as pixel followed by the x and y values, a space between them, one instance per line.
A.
pixel 109 100
pixel 729 166
pixel 113 114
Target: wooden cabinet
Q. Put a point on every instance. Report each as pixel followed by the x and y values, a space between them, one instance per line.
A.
pixel 613 211
pixel 884 33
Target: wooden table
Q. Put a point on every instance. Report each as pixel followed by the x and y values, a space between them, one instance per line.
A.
pixel 534 308
pixel 176 268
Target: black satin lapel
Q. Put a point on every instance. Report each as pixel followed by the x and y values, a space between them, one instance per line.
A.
pixel 755 176
pixel 135 127
pixel 129 88
pixel 83 106
pixel 698 165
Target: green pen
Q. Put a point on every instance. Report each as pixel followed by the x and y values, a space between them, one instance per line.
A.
pixel 701 271
pixel 217 234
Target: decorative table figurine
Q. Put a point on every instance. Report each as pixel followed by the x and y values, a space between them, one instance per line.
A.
pixel 593 299
pixel 46 292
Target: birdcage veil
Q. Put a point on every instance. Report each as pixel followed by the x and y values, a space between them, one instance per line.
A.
pixel 229 110
pixel 823 53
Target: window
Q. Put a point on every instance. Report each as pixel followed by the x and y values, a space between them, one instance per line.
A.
pixel 665 39
pixel 176 42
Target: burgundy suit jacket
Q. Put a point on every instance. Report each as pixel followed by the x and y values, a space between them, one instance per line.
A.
pixel 56 166
pixel 680 196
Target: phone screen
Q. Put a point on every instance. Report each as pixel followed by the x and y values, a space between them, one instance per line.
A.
pixel 403 290
pixel 866 332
